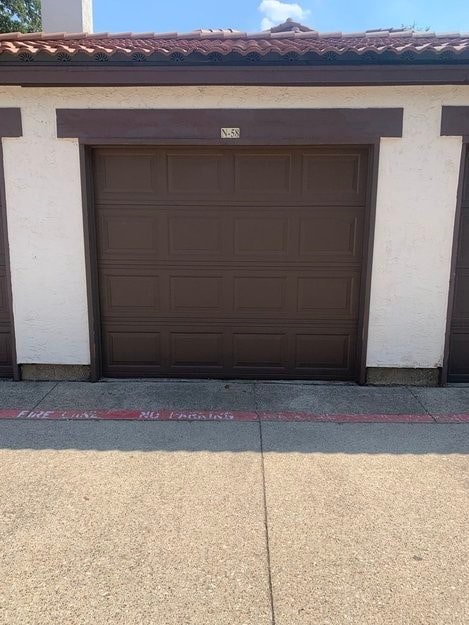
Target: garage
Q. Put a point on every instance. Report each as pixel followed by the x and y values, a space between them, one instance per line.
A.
pixel 223 262
pixel 458 369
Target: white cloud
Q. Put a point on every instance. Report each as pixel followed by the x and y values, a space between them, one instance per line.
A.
pixel 275 12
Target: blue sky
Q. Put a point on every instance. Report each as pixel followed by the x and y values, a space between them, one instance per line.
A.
pixel 324 15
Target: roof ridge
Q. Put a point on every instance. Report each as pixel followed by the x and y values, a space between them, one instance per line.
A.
pixel 292 44
pixel 213 33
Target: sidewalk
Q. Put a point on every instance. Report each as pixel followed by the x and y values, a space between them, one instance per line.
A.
pixel 231 400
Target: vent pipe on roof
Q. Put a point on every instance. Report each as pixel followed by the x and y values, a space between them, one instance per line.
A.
pixel 67 16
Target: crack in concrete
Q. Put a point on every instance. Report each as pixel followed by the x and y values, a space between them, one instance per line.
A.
pixel 416 397
pixel 266 525
pixel 43 398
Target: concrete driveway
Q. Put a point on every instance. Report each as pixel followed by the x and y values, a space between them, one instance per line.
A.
pixel 233 523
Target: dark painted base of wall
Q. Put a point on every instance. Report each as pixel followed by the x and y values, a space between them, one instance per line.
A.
pixel 376 376
pixel 390 376
pixel 55 373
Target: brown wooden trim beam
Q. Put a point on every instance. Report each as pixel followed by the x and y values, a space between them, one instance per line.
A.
pixel 10 122
pixel 32 75
pixel 455 121
pixel 267 126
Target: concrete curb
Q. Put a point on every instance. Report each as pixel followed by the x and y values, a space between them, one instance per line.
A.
pixel 214 415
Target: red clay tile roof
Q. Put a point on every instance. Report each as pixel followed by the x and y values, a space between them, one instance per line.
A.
pixel 285 39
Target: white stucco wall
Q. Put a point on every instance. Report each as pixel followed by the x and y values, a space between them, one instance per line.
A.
pixel 417 186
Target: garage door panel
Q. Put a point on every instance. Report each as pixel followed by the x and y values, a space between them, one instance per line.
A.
pixel 465 194
pixel 260 234
pixel 4 301
pixel 200 173
pixel 324 234
pixel 230 265
pixel 236 294
pixel 194 233
pixel 129 294
pixel 196 293
pixel 5 349
pixel 463 252
pixel 332 233
pixel 260 350
pixel 251 351
pixel 126 174
pixel 263 175
pixel 459 355
pixel 265 294
pixel 134 349
pixel 2 246
pixel 331 295
pixel 461 295
pixel 323 351
pixel 128 233
pixel 229 294
pixel 197 350
pixel 334 178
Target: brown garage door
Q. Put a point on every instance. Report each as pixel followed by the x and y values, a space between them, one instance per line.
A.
pixel 458 370
pixel 223 262
pixel 6 356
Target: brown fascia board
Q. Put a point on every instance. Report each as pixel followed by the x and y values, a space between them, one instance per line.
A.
pixel 28 75
pixel 455 121
pixel 10 122
pixel 257 126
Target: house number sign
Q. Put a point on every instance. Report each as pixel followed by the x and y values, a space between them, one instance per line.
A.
pixel 230 133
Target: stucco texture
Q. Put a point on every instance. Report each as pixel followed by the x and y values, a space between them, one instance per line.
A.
pixel 417 188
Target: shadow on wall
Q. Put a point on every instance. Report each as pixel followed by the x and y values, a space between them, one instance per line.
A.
pixel 303 438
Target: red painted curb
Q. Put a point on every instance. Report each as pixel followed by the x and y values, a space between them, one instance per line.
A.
pixel 452 418
pixel 132 415
pixel 14 414
pixel 345 418
pixel 222 415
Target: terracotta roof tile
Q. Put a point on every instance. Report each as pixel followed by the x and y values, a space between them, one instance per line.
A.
pixel 284 39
